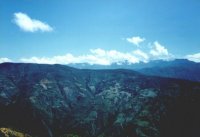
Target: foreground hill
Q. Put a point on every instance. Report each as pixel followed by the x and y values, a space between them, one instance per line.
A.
pixel 56 100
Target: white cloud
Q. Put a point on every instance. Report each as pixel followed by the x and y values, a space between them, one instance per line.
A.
pixel 65 59
pixel 30 25
pixel 106 57
pixel 142 55
pixel 5 60
pixel 99 52
pixel 158 50
pixel 97 56
pixel 194 57
pixel 135 40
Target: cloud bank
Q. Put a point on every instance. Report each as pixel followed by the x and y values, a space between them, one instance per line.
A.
pixel 105 57
pixel 2 60
pixel 194 57
pixel 96 56
pixel 28 24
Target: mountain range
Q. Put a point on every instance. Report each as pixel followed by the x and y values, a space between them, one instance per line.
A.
pixel 42 100
pixel 178 68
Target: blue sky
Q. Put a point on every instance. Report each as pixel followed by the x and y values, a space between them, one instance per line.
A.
pixel 102 31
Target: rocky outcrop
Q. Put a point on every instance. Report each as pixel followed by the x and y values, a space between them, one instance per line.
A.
pixel 7 132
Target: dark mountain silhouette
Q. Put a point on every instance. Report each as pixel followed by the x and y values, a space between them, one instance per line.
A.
pixel 57 100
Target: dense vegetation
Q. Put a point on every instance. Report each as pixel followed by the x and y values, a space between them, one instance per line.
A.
pixel 56 100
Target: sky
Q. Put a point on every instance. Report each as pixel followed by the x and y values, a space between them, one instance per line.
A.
pixel 98 31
